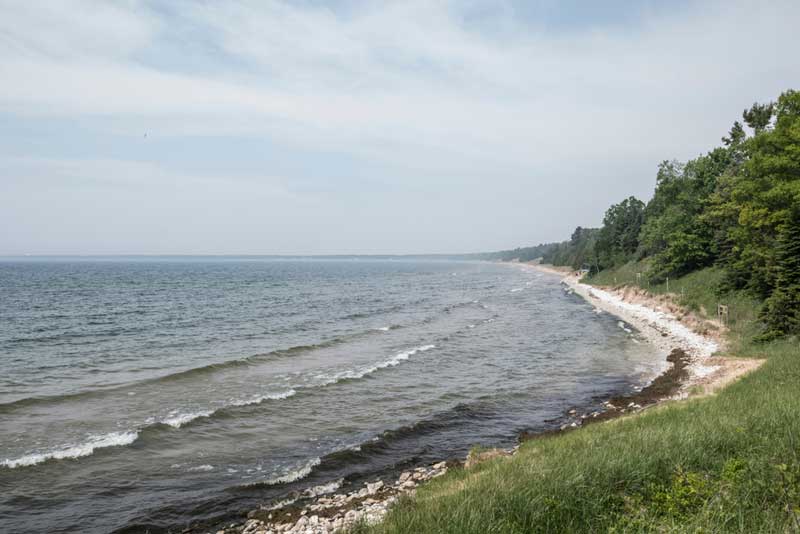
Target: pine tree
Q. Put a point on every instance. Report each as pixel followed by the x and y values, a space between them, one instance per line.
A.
pixel 781 312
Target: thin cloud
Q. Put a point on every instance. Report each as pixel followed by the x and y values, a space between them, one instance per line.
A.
pixel 429 96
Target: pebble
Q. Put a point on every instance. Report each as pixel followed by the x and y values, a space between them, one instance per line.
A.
pixel 374 488
pixel 327 514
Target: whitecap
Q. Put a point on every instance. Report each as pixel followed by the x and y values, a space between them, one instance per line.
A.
pixel 205 467
pixel 316 491
pixel 258 399
pixel 114 439
pixel 282 504
pixel 360 373
pixel 383 328
pixel 323 489
pixel 295 474
pixel 177 419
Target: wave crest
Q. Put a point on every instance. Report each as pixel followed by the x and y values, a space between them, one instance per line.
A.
pixel 114 439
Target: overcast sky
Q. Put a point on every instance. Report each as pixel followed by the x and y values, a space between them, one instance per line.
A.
pixel 269 127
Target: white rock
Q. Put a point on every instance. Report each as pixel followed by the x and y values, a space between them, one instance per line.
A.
pixel 375 487
pixel 440 465
pixel 405 476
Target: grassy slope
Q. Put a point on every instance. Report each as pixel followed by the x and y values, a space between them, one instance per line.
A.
pixel 728 463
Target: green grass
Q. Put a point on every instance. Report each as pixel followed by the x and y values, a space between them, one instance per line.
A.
pixel 725 463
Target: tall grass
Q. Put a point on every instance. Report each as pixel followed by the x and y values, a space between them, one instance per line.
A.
pixel 726 463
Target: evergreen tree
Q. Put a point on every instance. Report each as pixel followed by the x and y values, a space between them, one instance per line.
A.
pixel 781 311
pixel 759 116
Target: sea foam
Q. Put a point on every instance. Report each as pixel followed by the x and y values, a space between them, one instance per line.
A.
pixel 364 371
pixel 258 399
pixel 177 420
pixel 114 439
pixel 295 474
pixel 202 468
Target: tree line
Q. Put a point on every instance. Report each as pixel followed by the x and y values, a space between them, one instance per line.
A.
pixel 736 207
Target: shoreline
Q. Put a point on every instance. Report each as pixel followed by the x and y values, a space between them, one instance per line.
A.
pixel 666 326
pixel 691 368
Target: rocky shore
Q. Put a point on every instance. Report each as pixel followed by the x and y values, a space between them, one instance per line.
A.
pixel 325 512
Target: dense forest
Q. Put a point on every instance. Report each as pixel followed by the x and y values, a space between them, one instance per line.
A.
pixel 736 207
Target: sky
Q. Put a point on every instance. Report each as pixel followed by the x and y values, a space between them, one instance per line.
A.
pixel 344 127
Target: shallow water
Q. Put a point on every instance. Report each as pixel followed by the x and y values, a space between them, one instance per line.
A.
pixel 150 393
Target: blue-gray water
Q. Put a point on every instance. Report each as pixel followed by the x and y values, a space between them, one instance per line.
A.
pixel 142 394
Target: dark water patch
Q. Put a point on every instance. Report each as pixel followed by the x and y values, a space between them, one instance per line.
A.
pixel 187 374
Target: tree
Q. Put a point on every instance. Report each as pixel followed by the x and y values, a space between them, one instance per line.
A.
pixel 758 116
pixel 618 239
pixel 577 252
pixel 736 136
pixel 781 311
pixel 762 197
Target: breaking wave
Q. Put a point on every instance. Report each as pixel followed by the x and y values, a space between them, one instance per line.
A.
pixel 114 439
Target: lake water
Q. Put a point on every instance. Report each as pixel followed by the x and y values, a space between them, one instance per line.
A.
pixel 150 393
